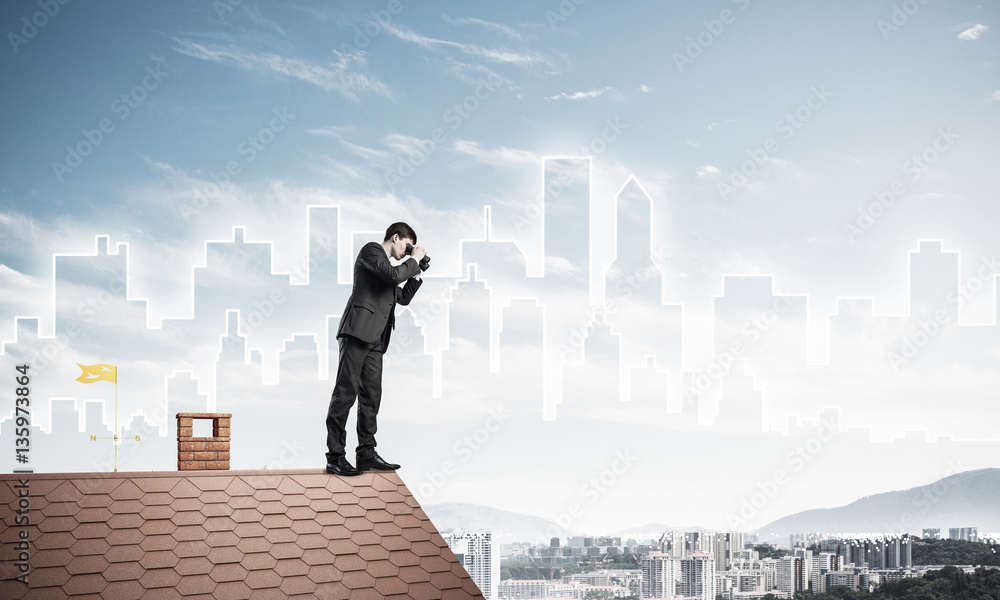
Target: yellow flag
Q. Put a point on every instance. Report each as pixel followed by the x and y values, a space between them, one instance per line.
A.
pixel 102 372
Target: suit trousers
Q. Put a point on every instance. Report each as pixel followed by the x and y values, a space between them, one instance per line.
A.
pixel 359 375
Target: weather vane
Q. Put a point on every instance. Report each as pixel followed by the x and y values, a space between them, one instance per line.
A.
pixel 104 372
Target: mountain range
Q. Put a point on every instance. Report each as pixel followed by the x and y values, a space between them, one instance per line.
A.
pixel 966 499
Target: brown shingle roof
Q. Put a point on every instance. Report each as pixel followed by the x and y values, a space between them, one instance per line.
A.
pixel 225 535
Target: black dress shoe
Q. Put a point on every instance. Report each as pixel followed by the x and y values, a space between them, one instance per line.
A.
pixel 341 467
pixel 376 463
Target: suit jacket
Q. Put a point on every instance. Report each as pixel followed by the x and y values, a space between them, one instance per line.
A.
pixel 370 310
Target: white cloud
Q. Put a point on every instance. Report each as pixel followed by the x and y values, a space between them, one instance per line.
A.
pixel 500 56
pixel 996 96
pixel 259 19
pixel 972 33
pixel 708 170
pixel 711 126
pixel 692 143
pixel 335 76
pixel 557 265
pixel 501 156
pixel 348 175
pixel 22 294
pixel 504 29
pixel 338 133
pixel 645 89
pixel 405 144
pixel 581 95
pixel 474 75
pixel 931 196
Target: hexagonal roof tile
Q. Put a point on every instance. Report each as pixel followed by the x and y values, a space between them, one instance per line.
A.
pixel 194 565
pixel 89 547
pixel 301 527
pixel 87 564
pixel 123 571
pixel 253 545
pixel 185 489
pixel 229 535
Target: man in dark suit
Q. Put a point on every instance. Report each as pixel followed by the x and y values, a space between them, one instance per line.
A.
pixel 365 328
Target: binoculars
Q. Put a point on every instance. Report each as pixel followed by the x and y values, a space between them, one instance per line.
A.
pixel 425 262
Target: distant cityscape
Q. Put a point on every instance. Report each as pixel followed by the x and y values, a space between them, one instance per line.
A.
pixel 703 565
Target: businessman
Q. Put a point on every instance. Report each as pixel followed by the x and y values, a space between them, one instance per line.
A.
pixel 365 328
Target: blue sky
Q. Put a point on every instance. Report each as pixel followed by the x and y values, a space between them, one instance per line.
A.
pixel 430 112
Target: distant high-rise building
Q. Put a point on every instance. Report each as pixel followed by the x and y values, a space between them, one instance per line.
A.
pixel 854 552
pixel 476 552
pixel 524 589
pixel 699 541
pixel 850 578
pixel 804 540
pixel 697 576
pixel 659 579
pixel 968 534
pixel 807 563
pixel 931 534
pixel 791 575
pixel 823 563
pixel 726 546
pixel 899 552
pixel 672 543
pixel 877 551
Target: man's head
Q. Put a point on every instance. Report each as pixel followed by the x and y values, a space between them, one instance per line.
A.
pixel 397 236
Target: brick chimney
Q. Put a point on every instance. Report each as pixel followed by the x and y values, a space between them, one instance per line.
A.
pixel 203 453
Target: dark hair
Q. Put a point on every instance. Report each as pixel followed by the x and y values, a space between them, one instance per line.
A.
pixel 404 231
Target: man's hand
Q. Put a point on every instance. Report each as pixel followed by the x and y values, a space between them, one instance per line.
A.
pixel 418 253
